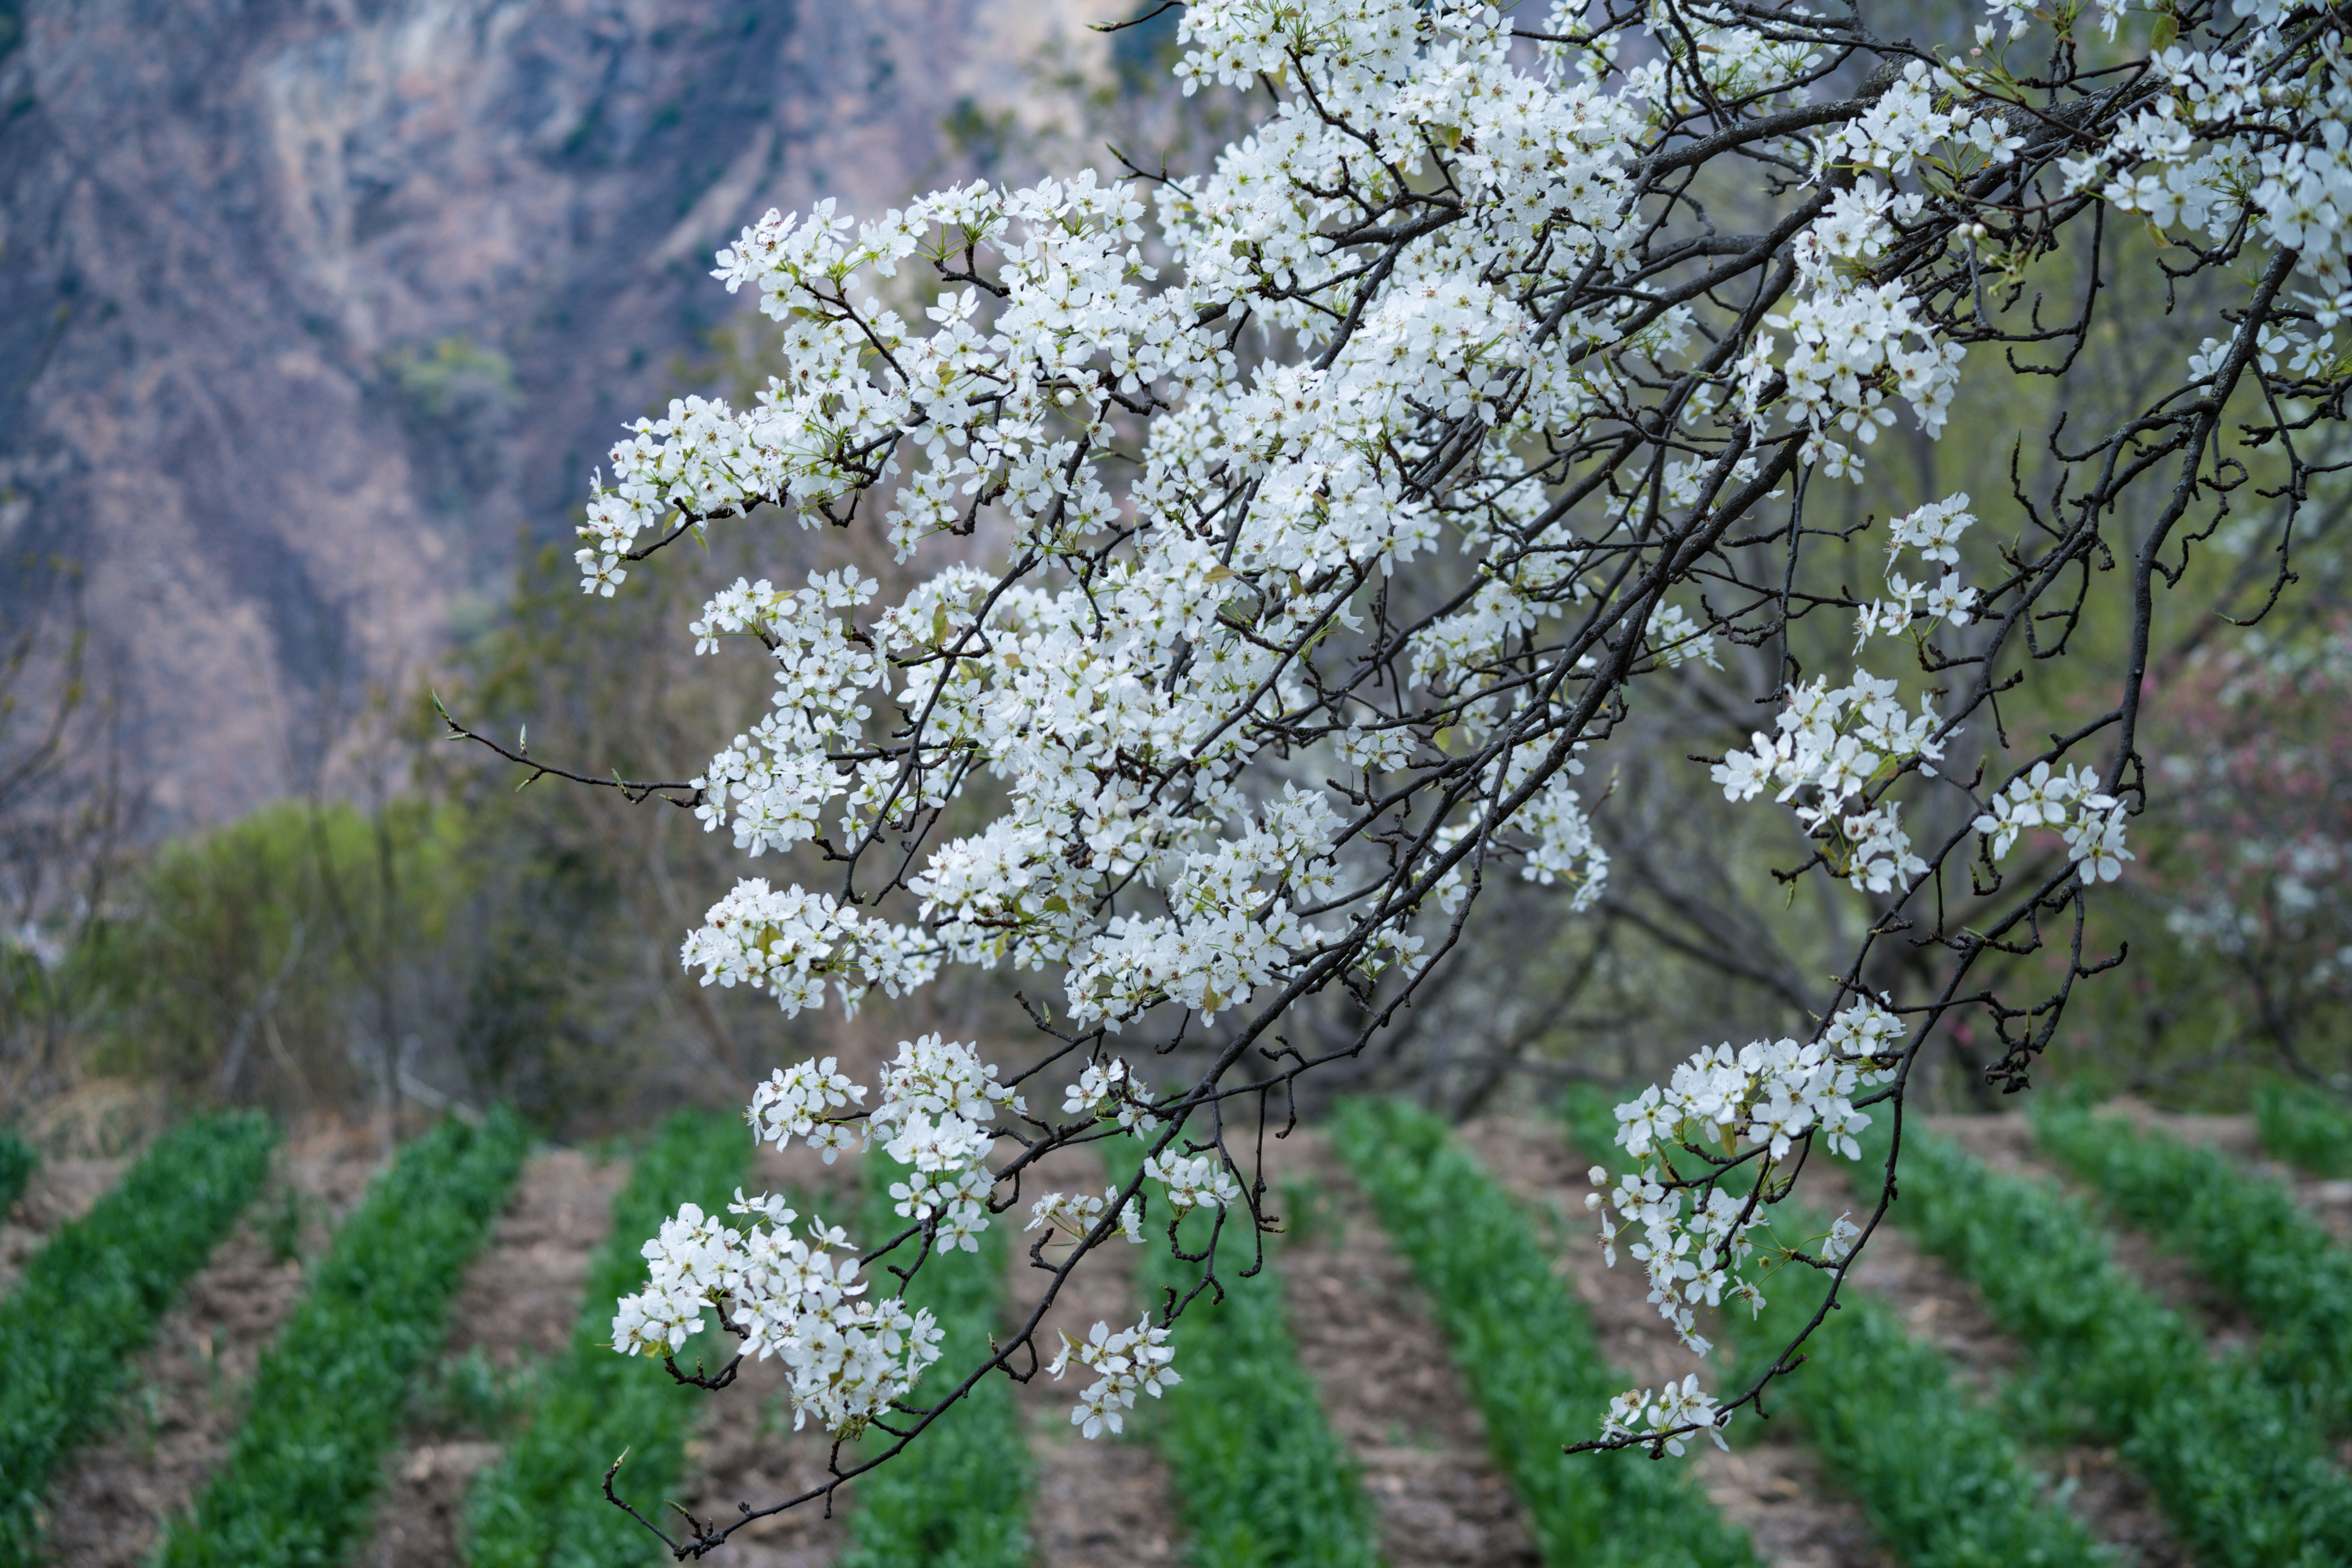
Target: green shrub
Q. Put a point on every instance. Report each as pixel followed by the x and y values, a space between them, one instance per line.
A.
pixel 17 1159
pixel 1261 1480
pixel 2245 1234
pixel 545 1502
pixel 300 1483
pixel 2305 1128
pixel 89 1301
pixel 1526 1348
pixel 959 1496
pixel 2245 1477
pixel 1939 1474
pixel 288 913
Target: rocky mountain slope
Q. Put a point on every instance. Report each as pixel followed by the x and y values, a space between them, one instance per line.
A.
pixel 312 310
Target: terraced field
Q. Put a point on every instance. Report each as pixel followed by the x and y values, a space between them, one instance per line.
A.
pixel 2093 1338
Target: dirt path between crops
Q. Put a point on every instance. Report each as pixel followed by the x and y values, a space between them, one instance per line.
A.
pixel 1102 1502
pixel 518 1302
pixel 1368 1337
pixel 1770 1485
pixel 745 1449
pixel 110 1505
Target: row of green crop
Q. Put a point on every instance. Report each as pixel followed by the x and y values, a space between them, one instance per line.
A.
pixel 1527 1350
pixel 2305 1128
pixel 1260 1478
pixel 2245 1233
pixel 2247 1481
pixel 959 1496
pixel 1940 1475
pixel 543 1503
pixel 300 1483
pixel 89 1299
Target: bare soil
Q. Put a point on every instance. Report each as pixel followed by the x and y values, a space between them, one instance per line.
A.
pixel 1368 1339
pixel 519 1300
pixel 1103 1502
pixel 110 1505
pixel 2329 1201
pixel 745 1450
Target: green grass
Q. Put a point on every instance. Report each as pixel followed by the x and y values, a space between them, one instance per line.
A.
pixel 1261 1480
pixel 2246 1478
pixel 544 1503
pixel 2244 1233
pixel 959 1496
pixel 1940 1476
pixel 17 1161
pixel 300 1483
pixel 1526 1348
pixel 2303 1127
pixel 89 1301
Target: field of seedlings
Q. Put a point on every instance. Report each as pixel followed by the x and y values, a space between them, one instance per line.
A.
pixel 2094 1336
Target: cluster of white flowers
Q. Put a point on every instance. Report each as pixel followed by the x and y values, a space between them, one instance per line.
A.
pixel 2261 130
pixel 1921 116
pixel 1838 745
pixel 789 943
pixel 847 1356
pixel 1851 340
pixel 798 1298
pixel 1285 536
pixel 2070 801
pixel 1194 1181
pixel 1129 1363
pixel 1754 1101
pixel 1110 1091
pixel 794 1104
pixel 1665 1416
pixel 1075 1215
pixel 1565 849
pixel 1934 530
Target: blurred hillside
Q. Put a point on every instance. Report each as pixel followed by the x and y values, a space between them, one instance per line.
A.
pixel 312 322
pixel 313 313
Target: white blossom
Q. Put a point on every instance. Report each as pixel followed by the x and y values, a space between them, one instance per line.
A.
pixel 1251 612
pixel 799 1298
pixel 1126 1363
pixel 1194 1181
pixel 1762 1098
pixel 1665 1416
pixel 1075 1215
pixel 1110 1091
pixel 2069 800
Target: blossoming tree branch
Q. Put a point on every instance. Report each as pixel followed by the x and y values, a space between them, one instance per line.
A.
pixel 1288 540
